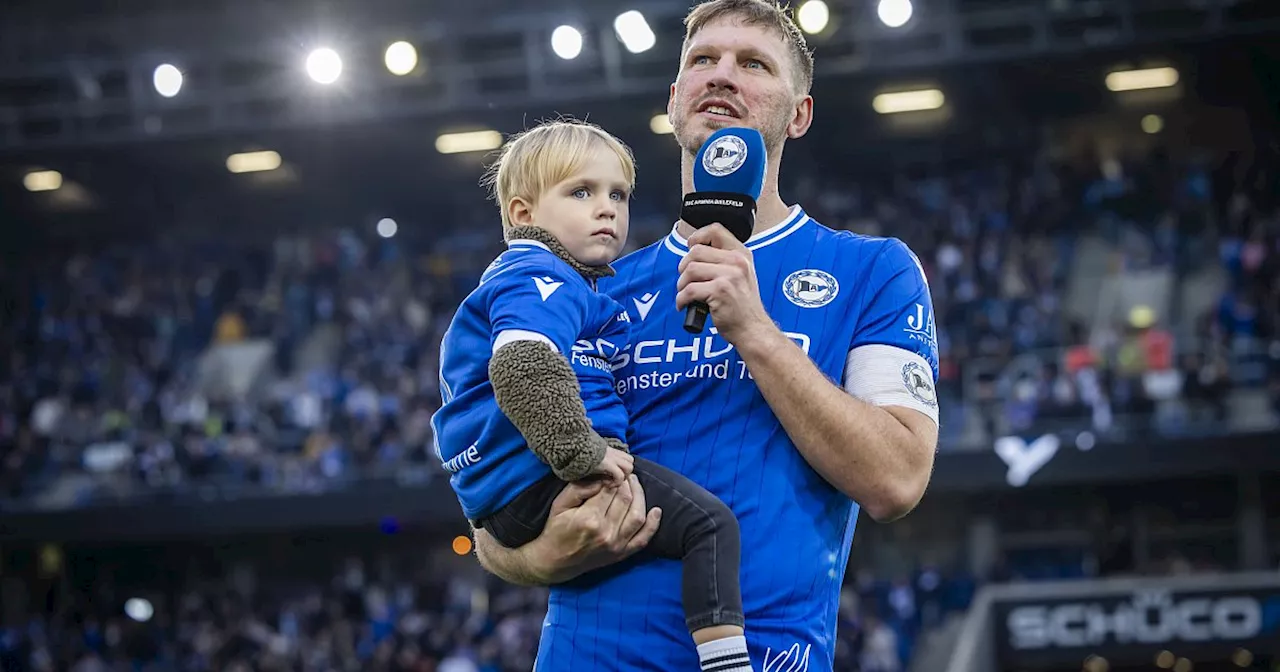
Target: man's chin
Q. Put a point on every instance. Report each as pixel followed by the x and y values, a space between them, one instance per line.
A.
pixel 692 139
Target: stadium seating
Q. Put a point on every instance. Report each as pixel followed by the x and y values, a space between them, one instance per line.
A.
pixel 292 367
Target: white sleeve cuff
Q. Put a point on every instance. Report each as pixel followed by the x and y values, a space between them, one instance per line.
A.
pixel 513 335
pixel 883 375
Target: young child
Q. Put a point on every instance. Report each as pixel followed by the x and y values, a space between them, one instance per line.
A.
pixel 528 389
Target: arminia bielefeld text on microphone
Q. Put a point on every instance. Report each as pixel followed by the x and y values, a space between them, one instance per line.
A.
pixel 728 175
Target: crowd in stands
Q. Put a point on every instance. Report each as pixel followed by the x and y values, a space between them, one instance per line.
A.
pixel 105 391
pixel 380 617
pixel 404 616
pixel 102 368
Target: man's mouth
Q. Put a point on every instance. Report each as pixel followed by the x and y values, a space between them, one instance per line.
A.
pixel 719 108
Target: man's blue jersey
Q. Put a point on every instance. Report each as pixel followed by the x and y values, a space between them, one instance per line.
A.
pixel 860 308
pixel 527 293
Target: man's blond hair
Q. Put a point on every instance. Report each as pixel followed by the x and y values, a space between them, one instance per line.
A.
pixel 767 14
pixel 535 160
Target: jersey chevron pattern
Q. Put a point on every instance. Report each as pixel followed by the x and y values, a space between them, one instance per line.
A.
pixel 527 293
pixel 860 307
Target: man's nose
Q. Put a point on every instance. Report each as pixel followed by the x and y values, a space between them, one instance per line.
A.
pixel 725 75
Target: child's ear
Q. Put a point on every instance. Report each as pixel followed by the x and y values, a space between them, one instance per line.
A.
pixel 520 212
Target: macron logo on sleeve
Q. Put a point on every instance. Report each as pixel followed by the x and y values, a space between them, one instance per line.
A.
pixel 547 286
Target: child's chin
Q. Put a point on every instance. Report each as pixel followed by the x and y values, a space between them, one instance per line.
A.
pixel 599 257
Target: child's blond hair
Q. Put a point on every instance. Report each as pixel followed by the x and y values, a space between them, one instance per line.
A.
pixel 535 160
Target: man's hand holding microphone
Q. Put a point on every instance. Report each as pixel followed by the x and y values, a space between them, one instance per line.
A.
pixel 717 276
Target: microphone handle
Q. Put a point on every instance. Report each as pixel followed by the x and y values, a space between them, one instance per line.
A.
pixel 695 317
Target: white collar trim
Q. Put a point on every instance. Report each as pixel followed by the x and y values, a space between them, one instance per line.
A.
pixel 795 219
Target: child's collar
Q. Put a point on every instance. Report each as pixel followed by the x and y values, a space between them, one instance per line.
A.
pixel 541 235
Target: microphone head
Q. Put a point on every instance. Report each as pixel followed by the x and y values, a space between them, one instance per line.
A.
pixel 732 160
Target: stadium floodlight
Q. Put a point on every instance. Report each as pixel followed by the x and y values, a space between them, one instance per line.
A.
pixel 894 13
pixel 167 79
pixel 324 65
pixel 908 101
pixel 387 227
pixel 138 609
pixel 813 16
pixel 634 32
pixel 660 124
pixel 471 141
pixel 1152 124
pixel 566 42
pixel 1135 80
pixel 42 180
pixel 401 58
pixel 253 162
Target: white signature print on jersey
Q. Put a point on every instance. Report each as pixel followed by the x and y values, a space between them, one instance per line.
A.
pixel 787 660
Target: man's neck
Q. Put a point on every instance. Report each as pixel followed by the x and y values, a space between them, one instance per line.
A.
pixel 770 208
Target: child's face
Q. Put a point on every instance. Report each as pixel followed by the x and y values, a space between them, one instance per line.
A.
pixel 589 212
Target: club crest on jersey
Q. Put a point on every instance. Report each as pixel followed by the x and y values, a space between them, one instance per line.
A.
pixel 810 288
pixel 919 383
pixel 725 155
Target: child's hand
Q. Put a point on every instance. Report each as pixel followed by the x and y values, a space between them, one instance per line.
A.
pixel 616 466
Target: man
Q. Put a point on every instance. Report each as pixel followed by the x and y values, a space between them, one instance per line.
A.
pixel 748 408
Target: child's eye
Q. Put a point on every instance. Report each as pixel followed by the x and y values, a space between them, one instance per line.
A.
pixel 581 192
pixel 619 196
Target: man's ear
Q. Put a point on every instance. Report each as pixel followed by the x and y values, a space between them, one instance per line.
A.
pixel 802 120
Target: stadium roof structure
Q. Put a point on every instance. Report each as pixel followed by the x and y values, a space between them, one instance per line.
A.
pixel 81 72
pixel 78 96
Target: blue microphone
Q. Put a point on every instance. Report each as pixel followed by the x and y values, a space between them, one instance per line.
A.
pixel 728 175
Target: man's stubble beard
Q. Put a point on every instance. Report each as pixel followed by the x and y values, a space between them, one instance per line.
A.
pixel 691 143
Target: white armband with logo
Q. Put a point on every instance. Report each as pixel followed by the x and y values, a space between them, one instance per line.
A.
pixel 514 335
pixel 883 375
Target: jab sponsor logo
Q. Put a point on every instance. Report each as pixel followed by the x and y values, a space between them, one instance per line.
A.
pixel 920 326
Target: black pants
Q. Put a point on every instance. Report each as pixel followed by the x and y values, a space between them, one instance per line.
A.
pixel 697 529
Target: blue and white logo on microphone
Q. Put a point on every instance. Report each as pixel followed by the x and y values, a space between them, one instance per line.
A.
pixel 725 155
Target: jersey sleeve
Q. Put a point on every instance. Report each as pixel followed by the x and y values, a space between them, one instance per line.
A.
pixel 539 304
pixel 893 360
pixel 616 327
